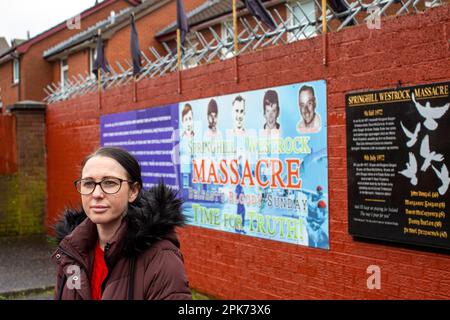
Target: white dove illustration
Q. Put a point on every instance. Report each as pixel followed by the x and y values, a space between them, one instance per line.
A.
pixel 412 136
pixel 427 155
pixel 411 169
pixel 430 114
pixel 443 176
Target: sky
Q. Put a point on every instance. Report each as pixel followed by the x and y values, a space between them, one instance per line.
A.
pixel 19 16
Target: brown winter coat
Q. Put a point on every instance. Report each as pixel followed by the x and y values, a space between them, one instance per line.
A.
pixel 143 258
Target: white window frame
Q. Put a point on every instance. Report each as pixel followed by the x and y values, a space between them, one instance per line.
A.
pixel 16 71
pixel 92 56
pixel 64 68
pixel 311 30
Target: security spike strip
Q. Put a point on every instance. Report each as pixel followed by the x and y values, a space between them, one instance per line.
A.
pixel 121 74
pixel 264 35
pixel 55 87
pixel 283 29
pixel 151 65
pixel 193 51
pixel 218 47
pixel 115 78
pixel 297 25
pixel 293 22
pixel 251 36
pixel 303 23
pixel 90 83
pixel 147 60
pixel 208 46
pixel 46 92
pixel 205 46
pixel 279 32
pixel 76 86
pixel 168 60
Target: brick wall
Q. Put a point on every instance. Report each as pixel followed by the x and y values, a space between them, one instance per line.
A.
pixel 78 63
pixel 22 192
pixel 39 72
pixel 7 144
pixel 412 49
pixel 9 91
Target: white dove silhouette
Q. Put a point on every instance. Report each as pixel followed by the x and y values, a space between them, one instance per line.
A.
pixel 430 114
pixel 427 155
pixel 443 176
pixel 412 136
pixel 411 169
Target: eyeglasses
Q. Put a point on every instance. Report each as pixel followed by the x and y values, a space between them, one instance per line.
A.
pixel 108 185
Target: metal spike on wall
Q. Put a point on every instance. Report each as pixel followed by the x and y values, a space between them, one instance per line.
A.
pixel 299 23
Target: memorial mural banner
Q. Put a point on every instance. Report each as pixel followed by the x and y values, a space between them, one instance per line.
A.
pixel 253 163
pixel 256 163
pixel 398 157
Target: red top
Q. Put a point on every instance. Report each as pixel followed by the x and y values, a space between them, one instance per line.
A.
pixel 99 273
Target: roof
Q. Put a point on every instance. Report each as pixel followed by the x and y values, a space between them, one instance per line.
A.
pixel 210 10
pixel 88 34
pixel 3 45
pixel 23 47
pixel 88 37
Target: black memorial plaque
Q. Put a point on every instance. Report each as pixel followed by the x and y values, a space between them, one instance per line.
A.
pixel 398 152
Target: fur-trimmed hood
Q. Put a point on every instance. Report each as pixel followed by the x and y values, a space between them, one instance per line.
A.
pixel 152 217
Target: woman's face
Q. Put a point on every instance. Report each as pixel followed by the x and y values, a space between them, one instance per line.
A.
pixel 100 207
pixel 271 114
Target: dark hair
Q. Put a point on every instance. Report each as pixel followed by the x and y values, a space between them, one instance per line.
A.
pixel 238 99
pixel 271 97
pixel 186 109
pixel 306 88
pixel 124 158
pixel 212 107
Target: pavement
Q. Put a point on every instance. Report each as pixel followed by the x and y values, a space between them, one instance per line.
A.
pixel 26 271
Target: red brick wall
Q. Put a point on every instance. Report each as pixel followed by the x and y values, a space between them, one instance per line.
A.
pixel 22 191
pixel 38 71
pixel 9 91
pixel 8 162
pixel 78 63
pixel 413 49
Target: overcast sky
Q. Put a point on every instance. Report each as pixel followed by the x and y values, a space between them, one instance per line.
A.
pixel 19 16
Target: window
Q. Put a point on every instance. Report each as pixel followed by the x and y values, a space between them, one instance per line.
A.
pixel 64 73
pixel 16 71
pixel 227 35
pixel 92 56
pixel 303 15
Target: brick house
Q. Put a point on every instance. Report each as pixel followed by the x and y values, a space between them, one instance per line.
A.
pixel 23 71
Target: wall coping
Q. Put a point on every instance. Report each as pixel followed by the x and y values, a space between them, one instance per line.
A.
pixel 27 105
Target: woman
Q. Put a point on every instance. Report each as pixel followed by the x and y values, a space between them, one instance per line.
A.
pixel 122 244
